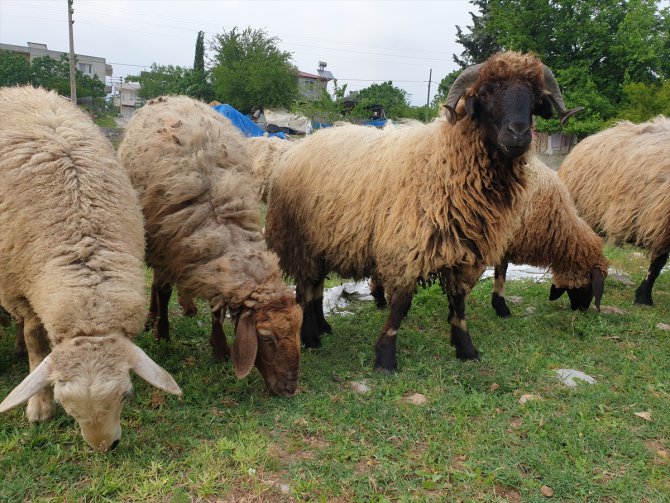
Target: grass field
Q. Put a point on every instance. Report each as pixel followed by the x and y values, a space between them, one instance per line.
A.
pixel 106 121
pixel 227 440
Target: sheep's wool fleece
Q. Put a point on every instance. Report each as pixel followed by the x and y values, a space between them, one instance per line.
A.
pixel 265 154
pixel 620 181
pixel 402 202
pixel 551 233
pixel 72 243
pixel 192 169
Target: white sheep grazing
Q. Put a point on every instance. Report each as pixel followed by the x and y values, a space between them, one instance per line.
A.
pixel 620 181
pixel 192 170
pixel 404 203
pixel 71 255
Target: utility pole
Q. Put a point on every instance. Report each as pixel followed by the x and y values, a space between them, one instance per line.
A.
pixel 430 77
pixel 73 73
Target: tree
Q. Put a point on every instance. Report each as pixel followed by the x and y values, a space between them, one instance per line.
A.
pixel 327 109
pixel 250 71
pixel 393 99
pixel 481 42
pixel 14 69
pixel 199 60
pixel 197 84
pixel 645 101
pixel 54 74
pixel 594 47
pixel 161 80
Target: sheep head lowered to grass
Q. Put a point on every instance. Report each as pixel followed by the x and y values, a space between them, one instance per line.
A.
pixel 192 170
pixel 406 202
pixel 71 252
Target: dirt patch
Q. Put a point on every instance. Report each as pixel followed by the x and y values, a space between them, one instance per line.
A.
pixel 289 449
pixel 507 493
pixel 661 454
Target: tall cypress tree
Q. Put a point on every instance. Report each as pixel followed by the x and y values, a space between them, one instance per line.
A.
pixel 199 86
pixel 199 61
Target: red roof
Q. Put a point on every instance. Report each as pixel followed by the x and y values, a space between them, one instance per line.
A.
pixel 310 76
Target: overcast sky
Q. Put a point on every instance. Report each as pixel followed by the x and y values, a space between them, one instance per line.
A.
pixel 362 41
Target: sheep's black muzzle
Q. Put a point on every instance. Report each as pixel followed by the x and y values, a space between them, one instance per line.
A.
pixel 514 138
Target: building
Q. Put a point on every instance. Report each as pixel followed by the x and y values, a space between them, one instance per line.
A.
pixel 92 66
pixel 126 97
pixel 312 86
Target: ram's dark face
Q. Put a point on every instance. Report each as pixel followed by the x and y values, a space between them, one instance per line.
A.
pixel 505 109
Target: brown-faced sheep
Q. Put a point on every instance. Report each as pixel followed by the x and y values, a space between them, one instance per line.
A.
pixel 404 203
pixel 71 264
pixel 265 154
pixel 620 181
pixel 192 170
pixel 549 233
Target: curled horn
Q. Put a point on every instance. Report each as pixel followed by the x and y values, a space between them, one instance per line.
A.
pixel 554 95
pixel 457 89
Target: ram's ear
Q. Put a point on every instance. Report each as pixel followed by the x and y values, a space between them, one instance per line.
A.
pixel 472 106
pixel 555 292
pixel 544 108
pixel 35 381
pixel 245 345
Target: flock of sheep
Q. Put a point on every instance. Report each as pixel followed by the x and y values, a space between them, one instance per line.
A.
pixel 405 204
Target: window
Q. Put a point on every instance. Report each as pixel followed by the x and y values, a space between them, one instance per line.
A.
pixel 85 68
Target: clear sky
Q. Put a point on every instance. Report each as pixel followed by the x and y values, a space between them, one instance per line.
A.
pixel 362 41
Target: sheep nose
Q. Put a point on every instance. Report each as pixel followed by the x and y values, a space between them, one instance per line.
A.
pixel 518 129
pixel 114 445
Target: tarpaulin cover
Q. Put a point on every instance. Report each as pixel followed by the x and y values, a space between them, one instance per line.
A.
pixel 239 120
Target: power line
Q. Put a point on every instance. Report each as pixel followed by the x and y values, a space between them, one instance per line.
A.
pixel 145 22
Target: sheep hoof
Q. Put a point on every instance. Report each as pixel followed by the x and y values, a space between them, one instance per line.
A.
pixel 149 324
pixel 386 371
pixel 499 306
pixel 467 354
pixel 220 357
pixel 325 328
pixel 643 297
pixel 312 342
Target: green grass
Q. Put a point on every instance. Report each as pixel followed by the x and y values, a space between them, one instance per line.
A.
pixel 227 440
pixel 106 121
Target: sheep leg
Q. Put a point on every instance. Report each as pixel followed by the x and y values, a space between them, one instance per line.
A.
pixel 162 328
pixel 220 349
pixel 310 334
pixel 377 292
pixel 460 338
pixel 643 292
pixel 5 319
pixel 385 348
pixel 317 304
pixel 498 296
pixel 40 405
pixel 153 306
pixel 20 347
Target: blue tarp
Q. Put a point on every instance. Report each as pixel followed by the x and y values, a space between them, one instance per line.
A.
pixel 241 121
